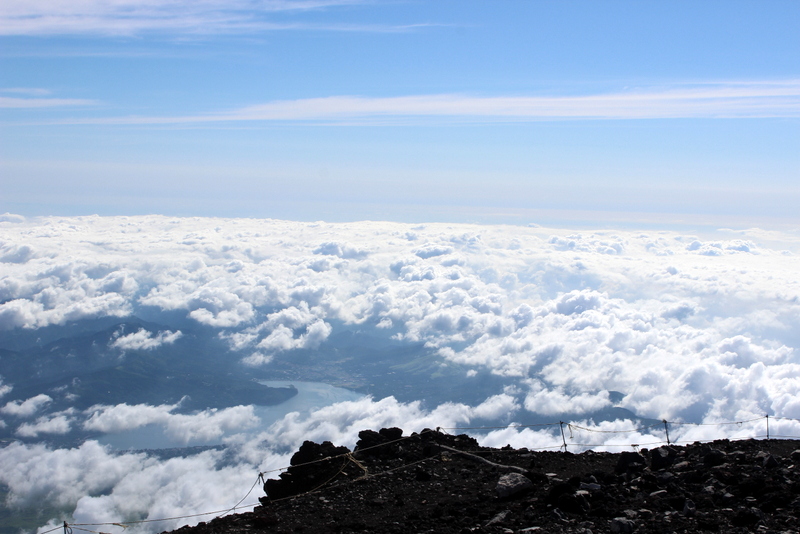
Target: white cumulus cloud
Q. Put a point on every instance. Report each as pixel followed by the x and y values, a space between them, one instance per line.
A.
pixel 203 426
pixel 654 315
pixel 58 423
pixel 144 340
pixel 27 407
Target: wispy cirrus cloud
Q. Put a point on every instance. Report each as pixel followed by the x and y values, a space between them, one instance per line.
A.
pixel 29 91
pixel 708 101
pixel 134 17
pixel 28 103
pixel 37 97
pixel 738 100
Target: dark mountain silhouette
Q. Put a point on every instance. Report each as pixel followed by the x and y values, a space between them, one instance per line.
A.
pixel 88 369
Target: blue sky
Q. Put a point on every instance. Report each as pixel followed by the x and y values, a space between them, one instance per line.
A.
pixel 636 112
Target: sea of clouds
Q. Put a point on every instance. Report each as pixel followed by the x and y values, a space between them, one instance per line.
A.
pixel 689 328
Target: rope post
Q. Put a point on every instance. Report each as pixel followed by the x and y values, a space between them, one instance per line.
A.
pixel 66 528
pixel 666 430
pixel 563 438
pixel 767 426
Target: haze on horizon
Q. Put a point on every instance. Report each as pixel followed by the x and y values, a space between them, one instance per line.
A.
pixel 615 113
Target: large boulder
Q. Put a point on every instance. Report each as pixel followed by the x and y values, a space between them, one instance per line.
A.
pixel 380 444
pixel 715 457
pixel 662 458
pixel 512 484
pixel 310 467
pixel 630 462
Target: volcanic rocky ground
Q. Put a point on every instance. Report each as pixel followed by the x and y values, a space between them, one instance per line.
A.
pixel 436 482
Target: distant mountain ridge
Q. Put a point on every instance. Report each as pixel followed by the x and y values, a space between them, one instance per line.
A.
pixel 87 369
pixel 188 365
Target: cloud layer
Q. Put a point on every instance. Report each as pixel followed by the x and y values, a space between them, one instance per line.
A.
pixel 688 328
pixel 685 326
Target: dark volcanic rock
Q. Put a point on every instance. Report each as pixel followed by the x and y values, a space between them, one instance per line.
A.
pixel 512 484
pixel 425 483
pixel 382 443
pixel 311 467
pixel 630 461
pixel 714 457
pixel 662 458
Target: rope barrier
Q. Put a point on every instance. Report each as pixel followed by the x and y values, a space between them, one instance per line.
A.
pixel 494 427
pixel 614 431
pixel 87 530
pixel 717 424
pixel 785 418
pixel 292 497
pixel 348 458
pixel 359 464
pixel 664 422
pixel 624 445
pixel 260 477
